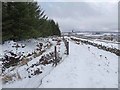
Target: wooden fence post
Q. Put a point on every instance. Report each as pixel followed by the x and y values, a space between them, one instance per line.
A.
pixel 56 58
pixel 55 53
pixel 67 46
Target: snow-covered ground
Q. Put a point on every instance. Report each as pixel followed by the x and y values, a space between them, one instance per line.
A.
pixel 84 67
pixel 102 42
pixel 106 43
pixel 25 47
pixel 29 80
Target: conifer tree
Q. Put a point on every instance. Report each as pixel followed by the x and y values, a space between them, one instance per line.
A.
pixel 23 20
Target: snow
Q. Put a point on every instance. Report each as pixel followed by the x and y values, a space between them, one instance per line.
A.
pixel 81 70
pixel 107 43
pixel 33 82
pixel 36 80
pixel 30 46
pixel 102 42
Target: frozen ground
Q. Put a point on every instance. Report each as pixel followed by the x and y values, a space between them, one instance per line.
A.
pixel 83 68
pixel 35 80
pixel 106 43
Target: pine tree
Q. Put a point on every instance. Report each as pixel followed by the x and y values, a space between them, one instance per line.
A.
pixel 23 20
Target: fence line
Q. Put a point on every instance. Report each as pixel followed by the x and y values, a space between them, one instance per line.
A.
pixel 112 50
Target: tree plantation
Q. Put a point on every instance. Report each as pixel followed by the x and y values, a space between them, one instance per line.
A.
pixel 24 20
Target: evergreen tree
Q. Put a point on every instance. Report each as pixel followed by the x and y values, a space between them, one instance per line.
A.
pixel 23 20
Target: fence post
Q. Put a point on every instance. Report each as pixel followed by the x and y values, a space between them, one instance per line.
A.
pixel 67 46
pixel 55 53
pixel 55 60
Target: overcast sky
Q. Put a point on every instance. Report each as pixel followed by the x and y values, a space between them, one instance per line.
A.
pixel 87 15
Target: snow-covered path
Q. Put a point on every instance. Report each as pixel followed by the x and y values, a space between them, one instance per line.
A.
pixel 84 68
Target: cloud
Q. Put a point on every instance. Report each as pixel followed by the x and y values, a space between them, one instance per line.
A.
pixel 83 15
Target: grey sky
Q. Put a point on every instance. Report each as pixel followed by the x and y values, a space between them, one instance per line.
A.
pixel 101 16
